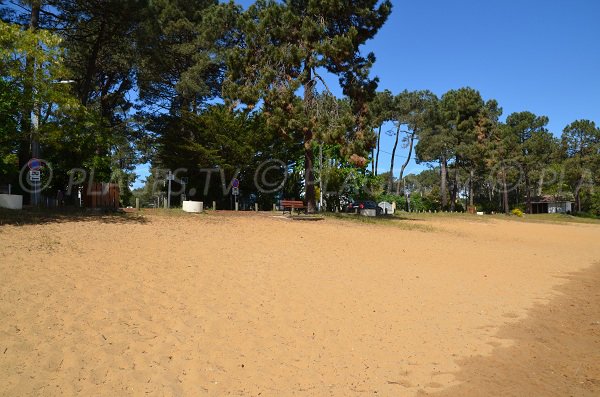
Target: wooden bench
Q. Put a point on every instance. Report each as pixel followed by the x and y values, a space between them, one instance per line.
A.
pixel 290 205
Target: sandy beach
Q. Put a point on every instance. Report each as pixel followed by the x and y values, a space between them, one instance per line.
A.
pixel 259 305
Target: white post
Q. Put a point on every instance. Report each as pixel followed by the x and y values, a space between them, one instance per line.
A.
pixel 169 177
pixel 214 206
pixel 137 203
pixel 236 205
pixel 256 207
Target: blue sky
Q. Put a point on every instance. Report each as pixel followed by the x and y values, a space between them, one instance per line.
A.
pixel 540 56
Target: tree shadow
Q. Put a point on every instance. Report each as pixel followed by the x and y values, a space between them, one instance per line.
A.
pixel 66 215
pixel 555 350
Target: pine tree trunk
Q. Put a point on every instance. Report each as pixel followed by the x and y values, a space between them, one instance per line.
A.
pixel 471 199
pixel 454 192
pixel 373 161
pixel 443 183
pixel 309 176
pixel 411 140
pixel 505 192
pixel 541 183
pixel 528 193
pixel 391 178
pixel 378 147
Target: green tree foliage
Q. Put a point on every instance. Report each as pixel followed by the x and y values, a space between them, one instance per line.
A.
pixel 203 84
pixel 530 143
pixel 435 146
pixel 581 140
pixel 98 58
pixel 461 111
pixel 100 39
pixel 409 113
pixel 456 132
pixel 26 90
pixel 182 47
pixel 218 145
pixel 380 109
pixel 9 134
pixel 286 46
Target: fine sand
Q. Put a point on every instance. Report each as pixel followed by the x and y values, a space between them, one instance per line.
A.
pixel 250 305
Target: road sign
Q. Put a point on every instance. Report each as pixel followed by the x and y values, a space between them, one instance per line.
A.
pixel 35 175
pixel 235 191
pixel 235 183
pixel 34 164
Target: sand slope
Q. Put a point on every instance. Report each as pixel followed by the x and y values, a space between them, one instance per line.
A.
pixel 255 305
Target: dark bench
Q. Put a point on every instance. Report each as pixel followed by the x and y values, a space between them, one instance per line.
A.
pixel 290 205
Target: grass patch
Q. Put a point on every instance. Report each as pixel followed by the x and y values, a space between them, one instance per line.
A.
pixel 402 222
pixel 171 212
pixel 39 216
pixel 444 215
pixel 552 218
pixel 531 218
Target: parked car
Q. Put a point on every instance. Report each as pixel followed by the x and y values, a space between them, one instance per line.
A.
pixel 357 207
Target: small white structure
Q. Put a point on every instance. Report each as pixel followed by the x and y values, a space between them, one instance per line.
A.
pixel 562 207
pixel 551 205
pixel 387 208
pixel 11 201
pixel 368 212
pixel 193 206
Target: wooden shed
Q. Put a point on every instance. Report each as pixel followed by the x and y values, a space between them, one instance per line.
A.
pixel 101 195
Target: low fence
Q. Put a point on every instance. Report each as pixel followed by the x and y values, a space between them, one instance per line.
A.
pixel 101 195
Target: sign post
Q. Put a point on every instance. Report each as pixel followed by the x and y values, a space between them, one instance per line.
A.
pixel 235 191
pixel 35 178
pixel 184 181
pixel 170 177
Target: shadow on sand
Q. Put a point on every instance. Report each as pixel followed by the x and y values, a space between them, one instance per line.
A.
pixel 65 215
pixel 556 350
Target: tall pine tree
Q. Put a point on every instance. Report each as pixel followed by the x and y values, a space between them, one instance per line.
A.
pixel 285 48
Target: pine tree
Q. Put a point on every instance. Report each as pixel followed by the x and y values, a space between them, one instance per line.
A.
pixel 286 46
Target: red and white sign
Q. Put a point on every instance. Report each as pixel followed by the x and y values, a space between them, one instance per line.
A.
pixel 34 164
